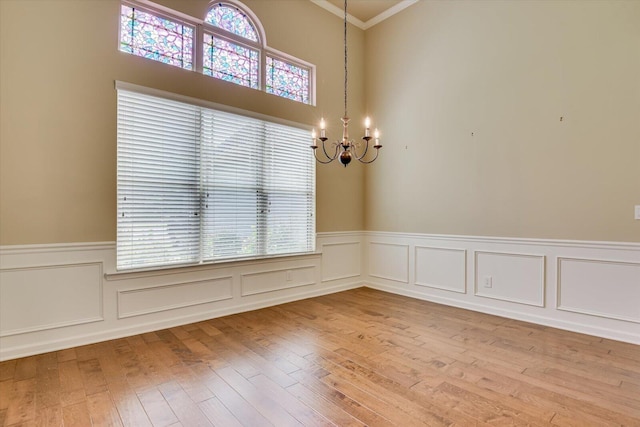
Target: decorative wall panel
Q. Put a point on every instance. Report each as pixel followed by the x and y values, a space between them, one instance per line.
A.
pixel 510 277
pixel 441 268
pixel 600 288
pixel 389 261
pixel 340 260
pixel 47 297
pixel 146 300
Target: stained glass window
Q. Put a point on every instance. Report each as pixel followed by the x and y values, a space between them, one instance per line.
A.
pixel 154 37
pixel 231 19
pixel 232 47
pixel 287 80
pixel 230 62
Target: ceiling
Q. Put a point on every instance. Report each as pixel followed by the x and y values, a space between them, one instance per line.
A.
pixel 365 13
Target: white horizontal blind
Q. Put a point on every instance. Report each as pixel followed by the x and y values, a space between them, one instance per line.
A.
pixel 197 184
pixel 289 186
pixel 231 178
pixel 158 180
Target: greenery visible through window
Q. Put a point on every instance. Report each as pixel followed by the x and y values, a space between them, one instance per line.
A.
pixel 232 48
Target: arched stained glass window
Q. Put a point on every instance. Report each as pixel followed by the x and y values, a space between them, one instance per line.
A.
pixel 229 45
pixel 232 19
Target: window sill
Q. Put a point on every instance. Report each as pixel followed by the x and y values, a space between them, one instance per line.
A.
pixel 209 265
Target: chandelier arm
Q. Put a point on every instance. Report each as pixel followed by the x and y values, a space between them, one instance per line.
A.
pixel 324 162
pixel 329 158
pixel 368 161
pixel 364 153
pixel 335 154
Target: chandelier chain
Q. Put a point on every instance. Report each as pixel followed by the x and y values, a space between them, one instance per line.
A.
pixel 345 58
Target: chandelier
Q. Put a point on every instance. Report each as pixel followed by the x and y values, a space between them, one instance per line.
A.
pixel 346 149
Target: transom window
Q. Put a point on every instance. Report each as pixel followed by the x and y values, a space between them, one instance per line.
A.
pixel 231 19
pixel 230 62
pixel 228 45
pixel 154 37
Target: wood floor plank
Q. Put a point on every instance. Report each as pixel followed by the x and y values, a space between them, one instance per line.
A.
pixel 157 408
pixel 264 403
pixel 241 409
pixel 333 412
pixel 22 405
pixel 102 410
pixel 49 417
pixel 355 358
pixel 218 414
pixel 130 409
pixel 8 369
pixel 47 382
pixel 301 412
pixel 76 415
pixel 186 410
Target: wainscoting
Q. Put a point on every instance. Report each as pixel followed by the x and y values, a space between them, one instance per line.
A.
pixel 59 296
pixel 588 287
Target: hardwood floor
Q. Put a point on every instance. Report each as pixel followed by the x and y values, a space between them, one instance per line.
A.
pixel 360 357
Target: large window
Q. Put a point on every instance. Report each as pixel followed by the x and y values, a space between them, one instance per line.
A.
pixel 196 184
pixel 228 44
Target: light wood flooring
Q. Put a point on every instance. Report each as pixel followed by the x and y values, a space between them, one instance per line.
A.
pixel 360 357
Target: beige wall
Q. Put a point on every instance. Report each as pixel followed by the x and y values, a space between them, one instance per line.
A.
pixel 59 60
pixel 470 95
pixel 469 106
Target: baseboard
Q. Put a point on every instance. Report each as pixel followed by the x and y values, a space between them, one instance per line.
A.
pixel 582 328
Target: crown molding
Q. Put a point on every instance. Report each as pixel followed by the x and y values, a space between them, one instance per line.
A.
pixel 371 22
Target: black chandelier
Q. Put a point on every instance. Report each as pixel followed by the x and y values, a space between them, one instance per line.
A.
pixel 346 149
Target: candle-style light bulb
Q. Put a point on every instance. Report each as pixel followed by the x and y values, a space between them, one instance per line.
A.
pixel 376 135
pixel 322 128
pixel 313 134
pixel 367 125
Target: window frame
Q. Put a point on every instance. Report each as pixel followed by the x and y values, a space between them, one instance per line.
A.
pixel 264 189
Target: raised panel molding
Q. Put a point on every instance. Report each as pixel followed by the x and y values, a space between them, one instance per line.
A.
pixel 599 287
pixel 441 268
pixel 340 260
pixel 515 277
pixel 389 261
pixel 153 299
pixel 44 297
pixel 278 279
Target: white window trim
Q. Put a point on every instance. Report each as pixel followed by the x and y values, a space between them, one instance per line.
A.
pixel 204 103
